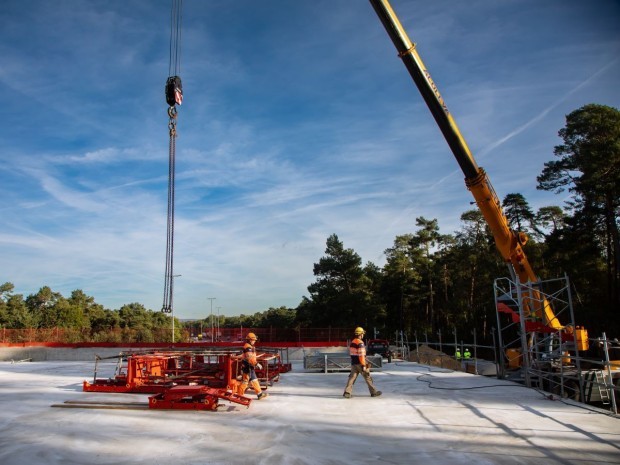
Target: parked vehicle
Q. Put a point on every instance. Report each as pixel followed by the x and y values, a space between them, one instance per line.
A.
pixel 380 347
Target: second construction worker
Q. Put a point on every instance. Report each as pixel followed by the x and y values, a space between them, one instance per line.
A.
pixel 248 367
pixel 359 365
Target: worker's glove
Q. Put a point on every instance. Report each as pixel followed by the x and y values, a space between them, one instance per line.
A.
pixel 367 368
pixel 258 366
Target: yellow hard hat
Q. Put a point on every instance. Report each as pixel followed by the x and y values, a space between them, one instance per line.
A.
pixel 251 336
pixel 359 330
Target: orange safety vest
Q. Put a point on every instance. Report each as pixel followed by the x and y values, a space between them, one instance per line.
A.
pixel 249 354
pixel 357 351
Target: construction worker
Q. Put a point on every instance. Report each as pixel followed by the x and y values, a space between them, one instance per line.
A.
pixel 467 354
pixel 457 354
pixel 248 367
pixel 359 365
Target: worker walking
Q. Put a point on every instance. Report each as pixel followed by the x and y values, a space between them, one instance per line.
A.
pixel 359 365
pixel 249 364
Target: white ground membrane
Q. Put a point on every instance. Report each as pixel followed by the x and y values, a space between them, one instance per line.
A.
pixel 426 415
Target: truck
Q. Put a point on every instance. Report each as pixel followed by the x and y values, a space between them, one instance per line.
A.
pixel 545 342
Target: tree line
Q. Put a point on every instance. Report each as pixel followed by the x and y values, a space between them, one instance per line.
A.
pixel 431 281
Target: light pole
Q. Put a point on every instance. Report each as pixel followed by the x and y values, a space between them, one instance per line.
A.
pixel 211 299
pixel 218 323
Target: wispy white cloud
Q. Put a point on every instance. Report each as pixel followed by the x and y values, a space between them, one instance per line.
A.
pixel 545 111
pixel 293 129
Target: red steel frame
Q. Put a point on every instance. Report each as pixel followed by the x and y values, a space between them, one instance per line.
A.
pixel 185 379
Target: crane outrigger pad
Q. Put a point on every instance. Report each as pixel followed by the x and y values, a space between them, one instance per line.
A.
pixel 175 398
pixel 194 398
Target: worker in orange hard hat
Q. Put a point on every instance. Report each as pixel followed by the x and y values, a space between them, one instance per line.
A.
pixel 359 365
pixel 249 364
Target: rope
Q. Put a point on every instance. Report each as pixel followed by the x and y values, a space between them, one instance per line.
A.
pixel 169 281
pixel 174 67
pixel 174 96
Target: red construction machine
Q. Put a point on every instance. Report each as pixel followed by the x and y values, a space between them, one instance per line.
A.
pixel 185 379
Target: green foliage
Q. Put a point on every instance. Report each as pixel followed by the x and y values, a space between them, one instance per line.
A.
pixel 588 165
pixel 281 317
pixel 5 290
pixel 342 294
pixel 520 216
pixel 135 316
pixel 402 282
pixel 80 318
pixel 17 313
pixel 551 218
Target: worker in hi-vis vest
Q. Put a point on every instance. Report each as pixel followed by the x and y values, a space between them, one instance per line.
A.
pixel 359 365
pixel 248 367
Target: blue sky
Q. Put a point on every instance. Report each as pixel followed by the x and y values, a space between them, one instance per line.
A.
pixel 298 122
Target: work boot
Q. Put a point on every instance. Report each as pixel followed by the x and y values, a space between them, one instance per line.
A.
pixel 346 395
pixel 376 394
pixel 262 395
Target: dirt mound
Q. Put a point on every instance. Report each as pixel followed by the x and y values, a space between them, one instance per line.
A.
pixel 429 356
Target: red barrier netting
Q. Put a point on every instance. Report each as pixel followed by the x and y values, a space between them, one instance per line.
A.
pixel 198 335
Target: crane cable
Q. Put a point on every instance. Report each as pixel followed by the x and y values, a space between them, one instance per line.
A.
pixel 174 96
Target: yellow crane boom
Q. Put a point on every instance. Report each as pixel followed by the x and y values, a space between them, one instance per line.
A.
pixel 509 243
